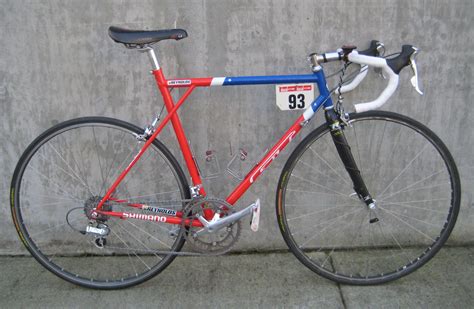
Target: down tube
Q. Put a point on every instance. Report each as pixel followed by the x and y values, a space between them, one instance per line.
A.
pixel 265 162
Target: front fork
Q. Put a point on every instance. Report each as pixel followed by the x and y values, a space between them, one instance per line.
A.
pixel 344 150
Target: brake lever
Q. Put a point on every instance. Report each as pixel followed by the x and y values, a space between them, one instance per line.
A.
pixel 414 79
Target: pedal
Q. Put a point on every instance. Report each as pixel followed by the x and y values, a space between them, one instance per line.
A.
pixel 255 216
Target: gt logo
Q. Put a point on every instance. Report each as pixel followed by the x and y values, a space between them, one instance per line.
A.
pixel 272 156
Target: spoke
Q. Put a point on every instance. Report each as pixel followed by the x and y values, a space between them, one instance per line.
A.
pixel 123 186
pixel 145 232
pixel 326 227
pixel 122 164
pixel 370 238
pixel 405 189
pixel 377 154
pixel 109 168
pixel 56 197
pixel 394 238
pixel 316 192
pixel 130 249
pixel 316 212
pixel 72 196
pixel 359 232
pixel 138 240
pixel 405 216
pixel 80 171
pixel 332 169
pixel 58 203
pixel 404 169
pixel 396 138
pixel 320 185
pixel 135 169
pixel 98 157
pixel 318 171
pixel 334 247
pixel 329 255
pixel 81 182
pixel 52 228
pixel 408 224
pixel 132 263
pixel 69 166
pixel 65 239
pixel 406 204
pixel 327 222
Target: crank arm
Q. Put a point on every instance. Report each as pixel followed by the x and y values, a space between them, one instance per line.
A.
pixel 215 225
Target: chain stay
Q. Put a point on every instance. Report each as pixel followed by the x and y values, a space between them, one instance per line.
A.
pixel 191 203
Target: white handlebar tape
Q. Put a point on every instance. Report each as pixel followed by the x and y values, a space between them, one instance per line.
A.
pixel 387 92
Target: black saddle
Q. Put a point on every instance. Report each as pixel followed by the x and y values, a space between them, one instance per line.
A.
pixel 134 38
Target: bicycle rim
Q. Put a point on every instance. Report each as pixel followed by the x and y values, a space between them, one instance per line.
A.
pixel 410 174
pixel 64 173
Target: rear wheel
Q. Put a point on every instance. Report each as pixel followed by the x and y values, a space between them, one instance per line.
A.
pixel 407 170
pixel 63 175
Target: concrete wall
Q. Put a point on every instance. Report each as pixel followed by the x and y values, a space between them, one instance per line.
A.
pixel 57 62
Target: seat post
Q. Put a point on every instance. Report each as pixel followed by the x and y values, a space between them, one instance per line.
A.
pixel 152 57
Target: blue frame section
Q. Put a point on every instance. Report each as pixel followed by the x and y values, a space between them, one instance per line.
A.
pixel 272 79
pixel 324 94
pixel 318 102
pixel 315 78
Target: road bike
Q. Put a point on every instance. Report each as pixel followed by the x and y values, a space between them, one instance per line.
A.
pixel 365 198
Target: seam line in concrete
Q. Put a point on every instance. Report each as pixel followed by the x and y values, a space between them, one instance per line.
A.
pixel 342 296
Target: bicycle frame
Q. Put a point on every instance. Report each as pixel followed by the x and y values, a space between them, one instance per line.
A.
pixel 165 85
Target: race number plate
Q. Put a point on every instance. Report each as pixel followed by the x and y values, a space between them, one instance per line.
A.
pixel 294 96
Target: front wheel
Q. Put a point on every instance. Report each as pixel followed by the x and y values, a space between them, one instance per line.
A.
pixel 63 175
pixel 407 170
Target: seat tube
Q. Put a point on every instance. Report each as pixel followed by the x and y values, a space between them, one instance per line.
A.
pixel 176 123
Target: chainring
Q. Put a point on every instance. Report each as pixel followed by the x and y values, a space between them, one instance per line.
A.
pixel 217 242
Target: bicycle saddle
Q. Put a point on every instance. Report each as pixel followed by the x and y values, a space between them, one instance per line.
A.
pixel 132 38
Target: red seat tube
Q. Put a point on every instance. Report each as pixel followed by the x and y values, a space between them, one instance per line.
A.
pixel 178 128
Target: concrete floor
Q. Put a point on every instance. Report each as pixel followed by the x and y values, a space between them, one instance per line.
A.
pixel 274 280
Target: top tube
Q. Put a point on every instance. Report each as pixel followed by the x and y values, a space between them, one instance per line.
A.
pixel 317 78
pixel 272 79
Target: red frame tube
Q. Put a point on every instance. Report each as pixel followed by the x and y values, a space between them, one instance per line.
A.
pixel 171 107
pixel 265 162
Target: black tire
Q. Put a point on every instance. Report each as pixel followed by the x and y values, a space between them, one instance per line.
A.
pixel 335 234
pixel 63 171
